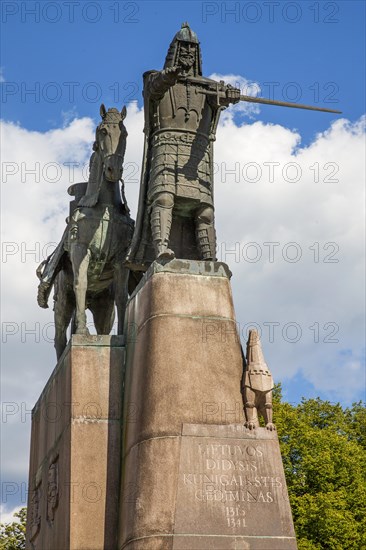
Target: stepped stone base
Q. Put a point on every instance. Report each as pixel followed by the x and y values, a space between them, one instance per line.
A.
pixel 176 469
pixel 75 449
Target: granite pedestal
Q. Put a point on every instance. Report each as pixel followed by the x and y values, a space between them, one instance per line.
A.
pixel 192 476
pixel 176 469
pixel 75 459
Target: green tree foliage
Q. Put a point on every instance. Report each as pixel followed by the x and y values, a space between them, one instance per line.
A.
pixel 12 535
pixel 323 447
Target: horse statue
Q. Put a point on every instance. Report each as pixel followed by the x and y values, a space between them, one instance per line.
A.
pixel 87 268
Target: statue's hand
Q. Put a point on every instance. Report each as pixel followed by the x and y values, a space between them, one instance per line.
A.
pixel 173 71
pixel 232 94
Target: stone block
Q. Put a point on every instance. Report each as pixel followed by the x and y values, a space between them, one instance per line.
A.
pixel 75 450
pixel 182 407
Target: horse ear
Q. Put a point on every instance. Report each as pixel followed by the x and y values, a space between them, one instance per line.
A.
pixel 102 110
pixel 124 112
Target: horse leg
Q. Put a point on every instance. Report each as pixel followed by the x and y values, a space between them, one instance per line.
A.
pixel 121 275
pixel 63 309
pixel 80 257
pixel 102 308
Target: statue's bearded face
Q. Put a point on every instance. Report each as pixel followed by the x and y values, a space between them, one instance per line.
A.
pixel 187 55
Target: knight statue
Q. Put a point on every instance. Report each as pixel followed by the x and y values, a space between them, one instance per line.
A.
pixel 182 110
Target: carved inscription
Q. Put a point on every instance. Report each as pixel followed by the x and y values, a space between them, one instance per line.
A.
pixel 228 483
pixel 233 475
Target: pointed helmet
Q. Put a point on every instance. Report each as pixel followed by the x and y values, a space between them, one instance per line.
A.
pixel 185 34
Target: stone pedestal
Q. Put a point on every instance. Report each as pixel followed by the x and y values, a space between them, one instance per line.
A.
pixel 192 476
pixel 231 490
pixel 75 450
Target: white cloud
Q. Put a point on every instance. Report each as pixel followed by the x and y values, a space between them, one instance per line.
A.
pixel 247 87
pixel 8 517
pixel 324 206
pixel 316 295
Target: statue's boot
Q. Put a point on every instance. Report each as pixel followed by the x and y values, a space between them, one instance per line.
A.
pixel 161 222
pixel 206 234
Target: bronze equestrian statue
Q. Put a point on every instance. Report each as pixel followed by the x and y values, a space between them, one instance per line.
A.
pixel 87 268
pixel 176 208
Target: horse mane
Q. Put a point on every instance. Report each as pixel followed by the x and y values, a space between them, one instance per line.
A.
pixel 90 198
pixel 94 167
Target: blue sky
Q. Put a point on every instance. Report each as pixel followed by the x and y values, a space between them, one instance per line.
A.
pixel 310 51
pixel 318 46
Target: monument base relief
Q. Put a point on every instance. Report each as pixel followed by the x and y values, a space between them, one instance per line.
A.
pixel 193 476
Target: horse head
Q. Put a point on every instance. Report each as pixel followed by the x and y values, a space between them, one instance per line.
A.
pixel 110 142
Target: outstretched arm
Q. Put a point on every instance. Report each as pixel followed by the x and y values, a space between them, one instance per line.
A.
pixel 157 83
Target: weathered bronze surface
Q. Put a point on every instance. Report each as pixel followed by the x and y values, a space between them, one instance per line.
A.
pixel 176 211
pixel 265 101
pixel 182 109
pixel 86 269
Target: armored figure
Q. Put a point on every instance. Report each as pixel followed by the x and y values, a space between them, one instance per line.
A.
pixel 182 109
